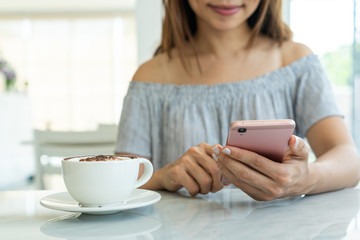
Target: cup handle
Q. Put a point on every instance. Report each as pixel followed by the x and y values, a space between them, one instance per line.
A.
pixel 148 171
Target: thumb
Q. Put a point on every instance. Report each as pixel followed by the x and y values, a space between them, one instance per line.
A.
pixel 298 149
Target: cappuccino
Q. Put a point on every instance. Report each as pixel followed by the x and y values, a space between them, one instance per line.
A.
pixel 99 158
pixel 103 180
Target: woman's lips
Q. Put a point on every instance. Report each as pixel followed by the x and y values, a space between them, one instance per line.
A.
pixel 225 10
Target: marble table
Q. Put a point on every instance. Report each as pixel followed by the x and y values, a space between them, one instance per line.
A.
pixel 228 214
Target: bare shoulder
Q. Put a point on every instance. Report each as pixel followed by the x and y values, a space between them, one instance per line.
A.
pixel 293 51
pixel 152 71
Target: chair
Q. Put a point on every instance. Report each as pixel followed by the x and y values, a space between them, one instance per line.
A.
pixel 52 146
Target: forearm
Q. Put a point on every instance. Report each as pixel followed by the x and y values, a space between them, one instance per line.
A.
pixel 154 183
pixel 336 169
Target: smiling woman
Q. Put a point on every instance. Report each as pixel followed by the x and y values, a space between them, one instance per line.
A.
pixel 219 62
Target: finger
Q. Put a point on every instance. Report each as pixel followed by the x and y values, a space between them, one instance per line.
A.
pixel 217 185
pixel 298 149
pixel 215 149
pixel 240 172
pixel 201 176
pixel 253 189
pixel 261 164
pixel 208 163
pixel 256 193
pixel 189 183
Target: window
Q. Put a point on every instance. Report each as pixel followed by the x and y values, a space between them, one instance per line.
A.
pixel 328 28
pixel 75 67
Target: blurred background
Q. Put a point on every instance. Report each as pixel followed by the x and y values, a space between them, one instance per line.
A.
pixel 65 67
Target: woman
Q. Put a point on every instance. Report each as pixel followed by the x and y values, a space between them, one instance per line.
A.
pixel 221 61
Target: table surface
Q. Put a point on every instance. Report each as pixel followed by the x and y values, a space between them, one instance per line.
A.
pixel 228 214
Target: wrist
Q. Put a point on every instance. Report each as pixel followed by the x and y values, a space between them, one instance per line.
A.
pixel 312 180
pixel 155 182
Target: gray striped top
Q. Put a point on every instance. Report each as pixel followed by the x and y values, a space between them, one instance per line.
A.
pixel 161 121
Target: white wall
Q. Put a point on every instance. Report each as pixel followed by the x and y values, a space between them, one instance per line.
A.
pixel 148 20
pixel 64 6
pixel 286 11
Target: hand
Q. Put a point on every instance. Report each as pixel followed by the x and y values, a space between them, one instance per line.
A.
pixel 196 170
pixel 264 179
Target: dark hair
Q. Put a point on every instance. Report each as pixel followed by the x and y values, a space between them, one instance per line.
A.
pixel 179 26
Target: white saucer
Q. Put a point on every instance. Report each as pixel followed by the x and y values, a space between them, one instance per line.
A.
pixel 64 202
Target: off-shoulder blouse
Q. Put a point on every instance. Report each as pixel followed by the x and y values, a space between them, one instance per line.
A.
pixel 161 121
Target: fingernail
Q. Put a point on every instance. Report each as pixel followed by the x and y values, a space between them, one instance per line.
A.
pixel 226 151
pixel 214 157
pixel 219 170
pixel 216 150
pixel 297 142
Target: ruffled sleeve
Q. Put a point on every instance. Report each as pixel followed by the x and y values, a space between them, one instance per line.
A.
pixel 314 98
pixel 134 127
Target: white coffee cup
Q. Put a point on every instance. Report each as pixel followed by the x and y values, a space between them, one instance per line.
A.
pixel 95 183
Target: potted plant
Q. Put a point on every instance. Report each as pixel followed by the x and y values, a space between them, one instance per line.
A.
pixel 9 74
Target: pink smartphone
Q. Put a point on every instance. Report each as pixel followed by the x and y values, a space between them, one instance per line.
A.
pixel 268 138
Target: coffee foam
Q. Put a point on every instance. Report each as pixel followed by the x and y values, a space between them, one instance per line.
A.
pixel 98 158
